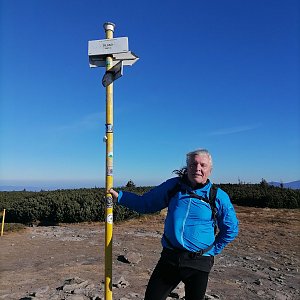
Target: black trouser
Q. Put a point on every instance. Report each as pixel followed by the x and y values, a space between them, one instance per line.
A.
pixel 174 267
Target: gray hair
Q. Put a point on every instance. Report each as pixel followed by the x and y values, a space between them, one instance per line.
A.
pixel 183 171
pixel 199 152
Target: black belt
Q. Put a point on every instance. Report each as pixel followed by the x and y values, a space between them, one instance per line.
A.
pixel 186 259
pixel 191 254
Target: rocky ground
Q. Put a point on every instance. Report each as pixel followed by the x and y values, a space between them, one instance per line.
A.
pixel 67 261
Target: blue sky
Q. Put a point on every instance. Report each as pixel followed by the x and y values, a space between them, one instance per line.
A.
pixel 221 75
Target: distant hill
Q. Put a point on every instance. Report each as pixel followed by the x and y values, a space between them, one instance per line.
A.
pixel 10 188
pixel 294 185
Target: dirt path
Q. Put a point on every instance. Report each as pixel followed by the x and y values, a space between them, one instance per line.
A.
pixel 262 263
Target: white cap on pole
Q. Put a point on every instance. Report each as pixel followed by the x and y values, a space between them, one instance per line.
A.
pixel 109 26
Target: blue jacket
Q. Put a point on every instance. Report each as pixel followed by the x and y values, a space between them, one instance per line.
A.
pixel 188 224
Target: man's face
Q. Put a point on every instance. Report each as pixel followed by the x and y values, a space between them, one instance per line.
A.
pixel 198 169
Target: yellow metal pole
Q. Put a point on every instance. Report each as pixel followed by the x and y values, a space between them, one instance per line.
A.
pixel 3 218
pixel 109 30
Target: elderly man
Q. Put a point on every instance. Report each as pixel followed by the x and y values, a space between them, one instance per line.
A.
pixel 195 209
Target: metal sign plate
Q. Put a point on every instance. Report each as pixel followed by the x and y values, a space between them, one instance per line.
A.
pixel 108 46
pixel 128 58
pixel 113 74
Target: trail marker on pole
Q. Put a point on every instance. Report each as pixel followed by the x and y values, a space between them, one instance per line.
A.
pixel 113 54
pixel 113 74
pixel 128 59
pixel 108 46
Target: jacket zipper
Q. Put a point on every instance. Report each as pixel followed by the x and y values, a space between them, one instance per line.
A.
pixel 184 221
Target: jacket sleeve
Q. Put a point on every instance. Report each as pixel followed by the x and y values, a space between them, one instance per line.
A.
pixel 150 202
pixel 227 223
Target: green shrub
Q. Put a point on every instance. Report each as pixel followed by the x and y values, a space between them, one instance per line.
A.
pixel 88 205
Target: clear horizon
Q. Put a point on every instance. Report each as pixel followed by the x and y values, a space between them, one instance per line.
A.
pixel 55 185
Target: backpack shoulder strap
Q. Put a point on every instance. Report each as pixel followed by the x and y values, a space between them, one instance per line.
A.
pixel 173 191
pixel 212 200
